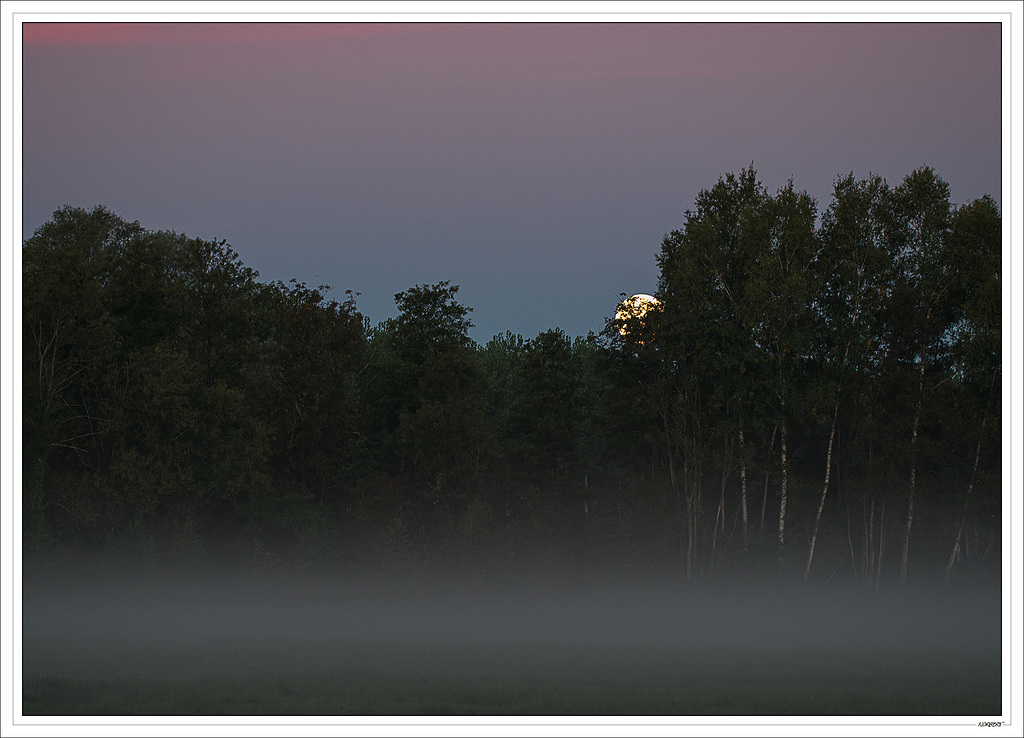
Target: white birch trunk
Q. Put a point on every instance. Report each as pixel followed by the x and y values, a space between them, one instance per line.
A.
pixel 913 478
pixel 764 497
pixel 882 539
pixel 963 513
pixel 743 492
pixel 849 538
pixel 719 520
pixel 970 486
pixel 764 508
pixel 869 545
pixel 782 502
pixel 824 492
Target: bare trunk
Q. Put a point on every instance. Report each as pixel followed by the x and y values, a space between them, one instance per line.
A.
pixel 782 502
pixel 689 514
pixel 906 532
pixel 743 493
pixel 671 459
pixel 691 526
pixel 698 515
pixel 784 470
pixel 764 497
pixel 831 438
pixel 869 544
pixel 970 487
pixel 719 520
pixel 963 513
pixel 824 492
pixel 673 483
pixel 690 535
pixel 881 547
pixel 913 478
pixel 849 538
pixel 764 508
pixel 698 496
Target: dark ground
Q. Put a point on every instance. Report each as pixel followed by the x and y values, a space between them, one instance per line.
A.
pixel 443 645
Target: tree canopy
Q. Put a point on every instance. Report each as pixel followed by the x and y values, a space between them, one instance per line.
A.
pixel 817 393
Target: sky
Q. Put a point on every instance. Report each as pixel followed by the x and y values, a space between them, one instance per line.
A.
pixel 536 165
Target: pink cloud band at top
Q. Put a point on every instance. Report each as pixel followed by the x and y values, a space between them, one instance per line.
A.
pixel 195 33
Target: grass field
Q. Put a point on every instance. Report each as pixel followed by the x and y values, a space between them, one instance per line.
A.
pixel 555 654
pixel 551 681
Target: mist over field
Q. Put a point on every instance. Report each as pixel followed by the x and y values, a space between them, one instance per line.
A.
pixel 429 610
pixel 419 645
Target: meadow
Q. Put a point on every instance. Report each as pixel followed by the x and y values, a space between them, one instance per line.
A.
pixel 383 680
pixel 429 648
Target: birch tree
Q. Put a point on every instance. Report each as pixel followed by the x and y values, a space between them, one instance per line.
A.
pixel 703 284
pixel 853 272
pixel 921 302
pixel 975 246
pixel 780 235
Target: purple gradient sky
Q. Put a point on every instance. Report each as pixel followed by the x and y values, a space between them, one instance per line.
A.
pixel 536 165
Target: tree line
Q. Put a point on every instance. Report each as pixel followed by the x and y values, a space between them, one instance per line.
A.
pixel 815 395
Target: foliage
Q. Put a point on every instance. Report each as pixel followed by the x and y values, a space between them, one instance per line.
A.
pixel 804 377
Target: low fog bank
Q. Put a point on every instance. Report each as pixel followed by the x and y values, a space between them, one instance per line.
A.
pixel 659 612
